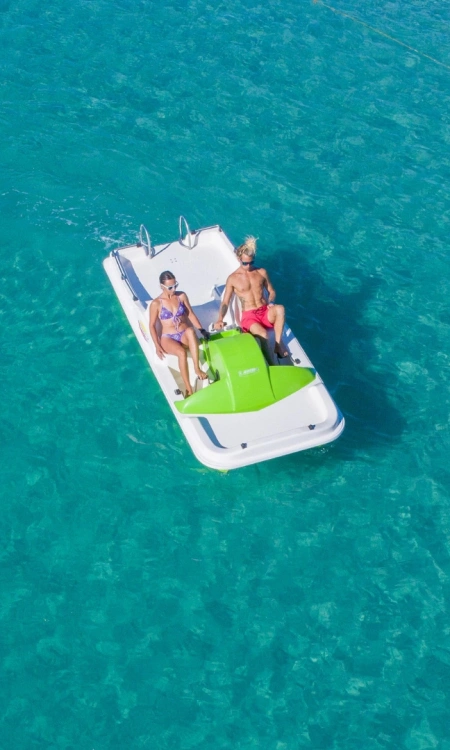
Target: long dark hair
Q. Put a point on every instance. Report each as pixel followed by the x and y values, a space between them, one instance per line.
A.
pixel 166 276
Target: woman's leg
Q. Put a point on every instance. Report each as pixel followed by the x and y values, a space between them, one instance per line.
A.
pixel 190 339
pixel 173 347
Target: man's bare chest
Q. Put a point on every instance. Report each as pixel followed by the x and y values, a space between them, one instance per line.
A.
pixel 246 284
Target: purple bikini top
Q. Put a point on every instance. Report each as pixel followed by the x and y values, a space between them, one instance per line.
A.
pixel 165 314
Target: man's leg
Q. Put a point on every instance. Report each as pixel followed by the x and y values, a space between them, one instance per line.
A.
pixel 276 315
pixel 259 332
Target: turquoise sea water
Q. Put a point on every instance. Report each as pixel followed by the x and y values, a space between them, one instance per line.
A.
pixel 146 601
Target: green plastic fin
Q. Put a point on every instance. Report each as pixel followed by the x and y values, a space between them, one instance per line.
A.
pixel 288 380
pixel 215 399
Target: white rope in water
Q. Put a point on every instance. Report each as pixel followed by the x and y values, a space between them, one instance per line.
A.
pixel 381 33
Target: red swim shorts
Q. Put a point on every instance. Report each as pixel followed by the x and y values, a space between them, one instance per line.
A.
pixel 255 316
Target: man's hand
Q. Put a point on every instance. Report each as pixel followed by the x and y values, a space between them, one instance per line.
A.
pixel 160 351
pixel 218 325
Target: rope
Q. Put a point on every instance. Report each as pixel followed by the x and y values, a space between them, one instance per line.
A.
pixel 381 33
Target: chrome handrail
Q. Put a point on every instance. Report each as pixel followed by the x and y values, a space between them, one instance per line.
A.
pixel 146 243
pixel 213 226
pixel 188 232
pixel 123 274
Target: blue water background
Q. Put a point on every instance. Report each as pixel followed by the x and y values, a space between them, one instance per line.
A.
pixel 146 601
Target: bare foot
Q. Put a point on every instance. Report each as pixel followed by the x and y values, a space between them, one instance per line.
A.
pixel 201 375
pixel 281 351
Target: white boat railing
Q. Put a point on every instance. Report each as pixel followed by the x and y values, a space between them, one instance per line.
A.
pixel 123 274
pixel 188 234
pixel 194 233
pixel 144 240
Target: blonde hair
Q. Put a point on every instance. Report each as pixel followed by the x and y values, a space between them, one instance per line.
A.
pixel 247 248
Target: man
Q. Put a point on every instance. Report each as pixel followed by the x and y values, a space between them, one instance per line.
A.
pixel 258 315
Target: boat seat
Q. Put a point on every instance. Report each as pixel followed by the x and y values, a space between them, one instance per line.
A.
pixel 232 318
pixel 207 313
pixel 236 307
pixel 171 361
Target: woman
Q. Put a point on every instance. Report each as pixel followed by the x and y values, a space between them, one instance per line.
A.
pixel 177 318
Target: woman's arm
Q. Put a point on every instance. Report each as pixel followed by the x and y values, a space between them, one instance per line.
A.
pixel 153 317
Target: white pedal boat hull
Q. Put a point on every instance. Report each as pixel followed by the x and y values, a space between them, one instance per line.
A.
pixel 201 262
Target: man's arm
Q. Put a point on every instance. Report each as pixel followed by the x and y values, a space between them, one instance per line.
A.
pixel 224 304
pixel 268 285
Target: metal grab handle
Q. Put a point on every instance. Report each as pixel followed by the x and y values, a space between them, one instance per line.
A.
pixel 144 239
pixel 123 275
pixel 188 232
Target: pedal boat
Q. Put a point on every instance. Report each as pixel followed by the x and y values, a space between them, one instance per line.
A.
pixel 247 411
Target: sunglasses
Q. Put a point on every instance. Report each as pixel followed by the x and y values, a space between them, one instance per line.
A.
pixel 247 262
pixel 169 288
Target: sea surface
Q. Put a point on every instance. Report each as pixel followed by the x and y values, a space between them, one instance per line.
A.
pixel 147 601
